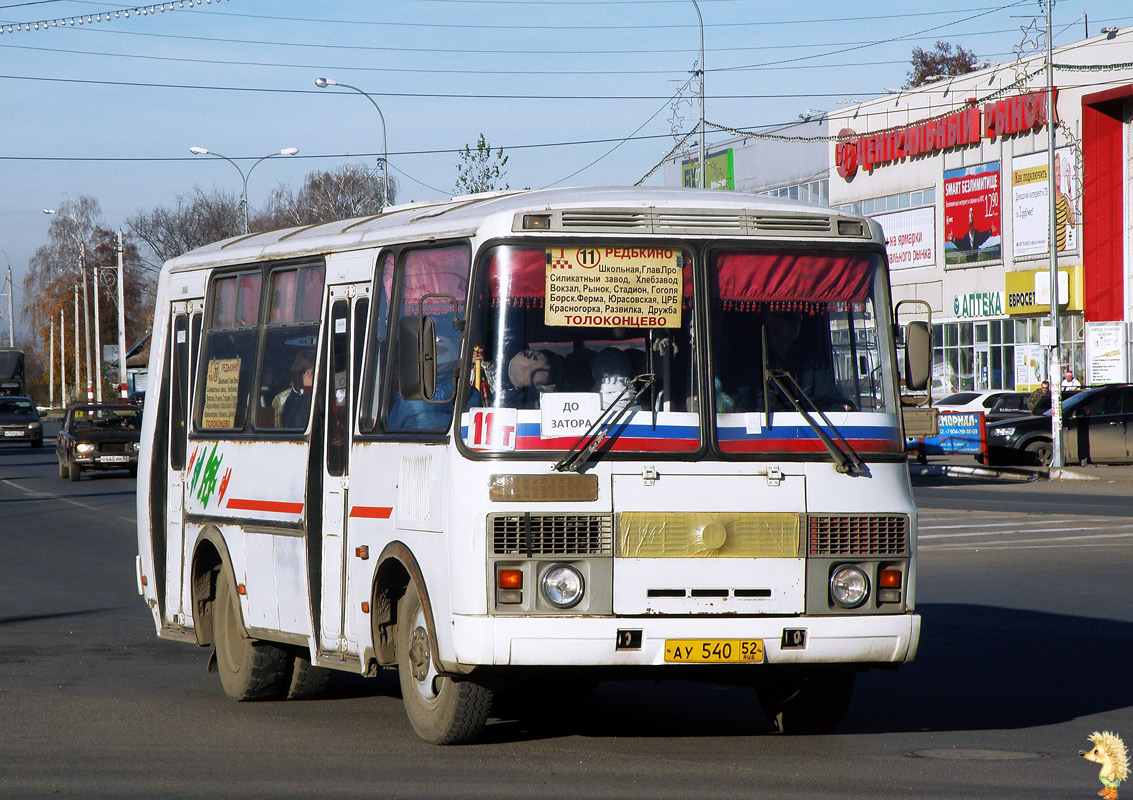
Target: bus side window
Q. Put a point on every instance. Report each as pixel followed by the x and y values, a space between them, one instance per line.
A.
pixel 432 279
pixel 226 370
pixel 286 382
pixel 371 392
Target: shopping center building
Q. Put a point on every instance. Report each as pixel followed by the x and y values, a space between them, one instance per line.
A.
pixel 957 172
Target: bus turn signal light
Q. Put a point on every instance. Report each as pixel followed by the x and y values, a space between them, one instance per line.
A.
pixel 509 579
pixel 889 579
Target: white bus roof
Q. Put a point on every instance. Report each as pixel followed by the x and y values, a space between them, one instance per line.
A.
pixel 605 210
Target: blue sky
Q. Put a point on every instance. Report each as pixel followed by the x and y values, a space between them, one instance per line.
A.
pixel 110 109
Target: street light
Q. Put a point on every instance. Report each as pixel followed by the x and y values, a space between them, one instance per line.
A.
pixel 201 151
pixel 323 83
pixel 703 167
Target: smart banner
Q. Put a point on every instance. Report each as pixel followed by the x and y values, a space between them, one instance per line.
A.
pixel 1030 204
pixel 613 287
pixel 959 433
pixel 971 215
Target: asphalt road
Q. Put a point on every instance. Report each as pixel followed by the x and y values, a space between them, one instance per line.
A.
pixel 1027 637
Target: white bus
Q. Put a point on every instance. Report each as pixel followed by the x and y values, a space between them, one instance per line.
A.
pixel 589 433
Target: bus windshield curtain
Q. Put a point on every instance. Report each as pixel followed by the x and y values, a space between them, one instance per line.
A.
pixel 812 282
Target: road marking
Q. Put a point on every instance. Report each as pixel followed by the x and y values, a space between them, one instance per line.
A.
pixel 62 499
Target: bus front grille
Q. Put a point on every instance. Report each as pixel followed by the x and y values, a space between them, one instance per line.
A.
pixel 859 535
pixel 552 534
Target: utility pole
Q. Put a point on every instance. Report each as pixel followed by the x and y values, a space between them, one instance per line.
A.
pixel 62 361
pixel 51 369
pixel 121 319
pixel 1054 374
pixel 78 377
pixel 86 319
pixel 96 282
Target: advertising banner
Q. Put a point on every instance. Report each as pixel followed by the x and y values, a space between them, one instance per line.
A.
pixel 971 215
pixel 910 237
pixel 1105 353
pixel 1030 204
pixel 958 433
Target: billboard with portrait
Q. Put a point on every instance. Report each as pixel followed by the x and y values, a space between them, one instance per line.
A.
pixel 1030 204
pixel 971 215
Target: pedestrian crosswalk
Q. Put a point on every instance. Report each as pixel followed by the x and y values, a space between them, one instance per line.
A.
pixel 941 529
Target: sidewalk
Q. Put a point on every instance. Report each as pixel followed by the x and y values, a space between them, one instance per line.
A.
pixel 967 466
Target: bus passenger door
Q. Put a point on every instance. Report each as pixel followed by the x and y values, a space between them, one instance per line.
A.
pixel 184 332
pixel 336 474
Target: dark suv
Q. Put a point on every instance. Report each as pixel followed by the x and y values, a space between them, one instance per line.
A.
pixel 1097 426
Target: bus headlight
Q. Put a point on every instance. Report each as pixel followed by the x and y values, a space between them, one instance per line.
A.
pixel 562 586
pixel 849 586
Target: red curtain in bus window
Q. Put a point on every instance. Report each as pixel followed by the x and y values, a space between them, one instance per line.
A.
pixel 224 315
pixel 311 294
pixel 284 286
pixel 248 312
pixel 792 280
pixel 441 271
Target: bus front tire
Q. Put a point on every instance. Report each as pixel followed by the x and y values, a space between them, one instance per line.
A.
pixel 441 709
pixel 307 682
pixel 806 701
pixel 249 669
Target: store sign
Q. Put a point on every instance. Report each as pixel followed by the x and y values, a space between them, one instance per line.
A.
pixel 910 237
pixel 968 126
pixel 1028 291
pixel 721 171
pixel 977 304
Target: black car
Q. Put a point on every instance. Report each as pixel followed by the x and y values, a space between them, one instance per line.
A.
pixel 99 436
pixel 19 421
pixel 1097 427
pixel 1008 406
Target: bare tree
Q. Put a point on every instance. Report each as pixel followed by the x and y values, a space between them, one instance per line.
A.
pixel 352 190
pixel 194 220
pixel 480 171
pixel 77 240
pixel 940 62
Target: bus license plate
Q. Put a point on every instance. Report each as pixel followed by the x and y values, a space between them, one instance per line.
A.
pixel 714 651
pixel 114 459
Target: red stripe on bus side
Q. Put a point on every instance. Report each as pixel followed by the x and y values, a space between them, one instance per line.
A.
pixel 371 512
pixel 274 506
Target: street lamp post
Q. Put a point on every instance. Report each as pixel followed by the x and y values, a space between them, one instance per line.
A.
pixel 323 83
pixel 201 151
pixel 11 319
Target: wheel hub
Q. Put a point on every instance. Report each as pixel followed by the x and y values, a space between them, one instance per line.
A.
pixel 419 653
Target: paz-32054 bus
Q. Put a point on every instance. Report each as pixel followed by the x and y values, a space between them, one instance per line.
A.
pixel 586 433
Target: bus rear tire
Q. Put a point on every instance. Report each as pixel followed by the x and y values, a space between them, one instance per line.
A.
pixel 249 669
pixel 441 709
pixel 806 701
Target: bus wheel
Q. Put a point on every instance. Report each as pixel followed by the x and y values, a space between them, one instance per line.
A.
pixel 249 669
pixel 806 701
pixel 442 710
pixel 307 681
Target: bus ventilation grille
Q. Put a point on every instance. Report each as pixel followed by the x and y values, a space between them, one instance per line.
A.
pixel 876 535
pixel 553 534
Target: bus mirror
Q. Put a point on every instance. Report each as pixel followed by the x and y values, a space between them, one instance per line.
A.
pixel 417 357
pixel 918 355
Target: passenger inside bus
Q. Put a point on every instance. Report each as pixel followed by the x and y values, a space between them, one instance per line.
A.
pixel 292 406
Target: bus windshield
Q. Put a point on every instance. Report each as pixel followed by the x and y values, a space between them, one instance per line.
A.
pixel 559 335
pixel 798 329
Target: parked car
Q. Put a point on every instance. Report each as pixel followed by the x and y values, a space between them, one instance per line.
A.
pixel 968 401
pixel 1008 405
pixel 19 421
pixel 98 436
pixel 1097 427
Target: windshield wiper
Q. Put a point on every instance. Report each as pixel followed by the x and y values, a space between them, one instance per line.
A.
pixel 606 425
pixel 846 461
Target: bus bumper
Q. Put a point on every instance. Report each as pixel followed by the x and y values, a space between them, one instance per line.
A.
pixel 593 641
